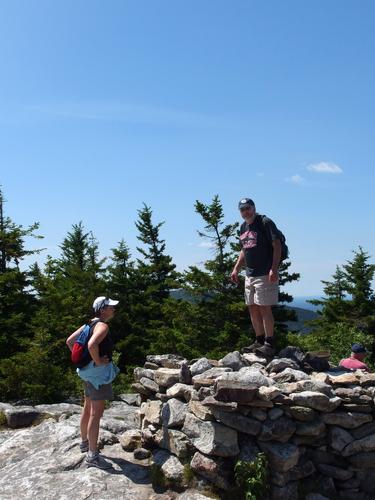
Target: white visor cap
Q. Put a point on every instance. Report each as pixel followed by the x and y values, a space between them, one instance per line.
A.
pixel 101 302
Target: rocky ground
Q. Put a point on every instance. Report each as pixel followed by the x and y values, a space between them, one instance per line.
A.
pixel 43 460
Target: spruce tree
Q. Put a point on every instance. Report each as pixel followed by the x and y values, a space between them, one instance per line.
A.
pixel 17 302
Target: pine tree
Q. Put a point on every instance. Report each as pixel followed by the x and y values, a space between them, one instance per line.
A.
pixel 16 300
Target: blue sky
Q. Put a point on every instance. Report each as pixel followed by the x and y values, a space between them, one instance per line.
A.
pixel 106 105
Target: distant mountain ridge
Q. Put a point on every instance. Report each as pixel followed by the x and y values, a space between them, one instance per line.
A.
pixel 304 310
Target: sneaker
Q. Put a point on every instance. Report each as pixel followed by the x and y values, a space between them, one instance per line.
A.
pixel 266 350
pixel 84 446
pixel 98 461
pixel 252 347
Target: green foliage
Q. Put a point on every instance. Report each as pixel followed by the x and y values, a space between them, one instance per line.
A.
pixel 337 339
pixel 252 478
pixel 157 476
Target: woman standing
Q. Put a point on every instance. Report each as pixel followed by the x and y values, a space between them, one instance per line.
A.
pixel 97 376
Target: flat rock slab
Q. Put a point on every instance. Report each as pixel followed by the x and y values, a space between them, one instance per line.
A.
pixel 346 420
pixel 236 391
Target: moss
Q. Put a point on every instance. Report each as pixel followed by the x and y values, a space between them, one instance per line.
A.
pixel 3 419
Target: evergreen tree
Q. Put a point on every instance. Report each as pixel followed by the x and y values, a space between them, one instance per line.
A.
pixel 16 301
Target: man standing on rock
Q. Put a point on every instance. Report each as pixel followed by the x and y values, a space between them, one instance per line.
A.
pixel 261 253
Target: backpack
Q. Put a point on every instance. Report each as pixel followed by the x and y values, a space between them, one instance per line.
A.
pixel 80 355
pixel 260 219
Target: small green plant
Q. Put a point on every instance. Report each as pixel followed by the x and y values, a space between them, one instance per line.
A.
pixel 252 477
pixel 188 475
pixel 157 476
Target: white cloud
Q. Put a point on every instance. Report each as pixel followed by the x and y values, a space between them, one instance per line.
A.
pixel 325 167
pixel 296 179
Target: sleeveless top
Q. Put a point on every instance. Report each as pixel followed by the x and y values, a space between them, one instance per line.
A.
pixel 106 345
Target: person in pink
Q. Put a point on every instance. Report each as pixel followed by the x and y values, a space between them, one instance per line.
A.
pixel 355 362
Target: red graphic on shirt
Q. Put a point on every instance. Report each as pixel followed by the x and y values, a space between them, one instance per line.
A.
pixel 249 239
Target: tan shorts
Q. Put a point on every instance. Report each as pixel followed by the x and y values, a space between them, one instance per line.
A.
pixel 259 291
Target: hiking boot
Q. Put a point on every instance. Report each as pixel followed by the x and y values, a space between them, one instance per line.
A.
pixel 84 446
pixel 252 347
pixel 266 350
pixel 98 461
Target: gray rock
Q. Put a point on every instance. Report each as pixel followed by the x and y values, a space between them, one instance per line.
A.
pixel 130 399
pixel 212 403
pixel 57 410
pixel 268 393
pixel 314 429
pixel 200 411
pixel 280 430
pixel 175 441
pixel 212 373
pixel 282 457
pixel 248 449
pixel 236 391
pixel 339 438
pixel 302 413
pixel 363 430
pixel 315 386
pixel 256 413
pixel 166 360
pixel 166 377
pixel 184 391
pixel 279 364
pixel 248 375
pixel 214 469
pixel 173 413
pixel 246 425
pixel 335 472
pixel 210 437
pixel 315 400
pixel 141 454
pixel 365 444
pixel 152 413
pixel 21 416
pixel 293 353
pixel 251 359
pixel 149 384
pixel 143 372
pixel 200 366
pixel 131 439
pixel 171 467
pixel 346 420
pixel 232 360
pixel 275 413
pixel 185 374
pixel 151 366
pixel 289 491
pixel 141 389
pixel 290 375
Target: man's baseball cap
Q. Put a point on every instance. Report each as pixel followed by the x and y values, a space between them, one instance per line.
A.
pixel 101 302
pixel 358 349
pixel 245 202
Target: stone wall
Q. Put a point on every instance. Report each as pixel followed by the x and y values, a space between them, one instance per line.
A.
pixel 316 429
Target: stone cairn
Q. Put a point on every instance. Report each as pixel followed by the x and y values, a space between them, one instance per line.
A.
pixel 198 418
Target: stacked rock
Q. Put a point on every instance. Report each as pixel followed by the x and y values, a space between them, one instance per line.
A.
pixel 316 430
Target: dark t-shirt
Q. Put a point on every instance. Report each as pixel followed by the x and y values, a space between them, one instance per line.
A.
pixel 106 346
pixel 255 241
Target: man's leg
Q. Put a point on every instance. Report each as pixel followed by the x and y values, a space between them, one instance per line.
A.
pixel 267 320
pixel 257 320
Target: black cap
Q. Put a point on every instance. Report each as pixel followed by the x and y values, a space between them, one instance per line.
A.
pixel 245 202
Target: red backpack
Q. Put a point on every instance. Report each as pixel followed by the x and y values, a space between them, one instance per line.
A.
pixel 80 354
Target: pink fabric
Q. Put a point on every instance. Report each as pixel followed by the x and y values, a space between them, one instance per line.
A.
pixel 353 364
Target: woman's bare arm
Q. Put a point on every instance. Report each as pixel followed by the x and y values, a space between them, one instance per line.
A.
pixel 100 331
pixel 73 337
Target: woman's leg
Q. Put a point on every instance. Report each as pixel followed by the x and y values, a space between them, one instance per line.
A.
pixel 85 416
pixel 97 409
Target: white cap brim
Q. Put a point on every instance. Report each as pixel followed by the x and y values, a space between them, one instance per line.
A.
pixel 112 302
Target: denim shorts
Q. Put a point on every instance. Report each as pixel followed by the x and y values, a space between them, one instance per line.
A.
pixel 105 391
